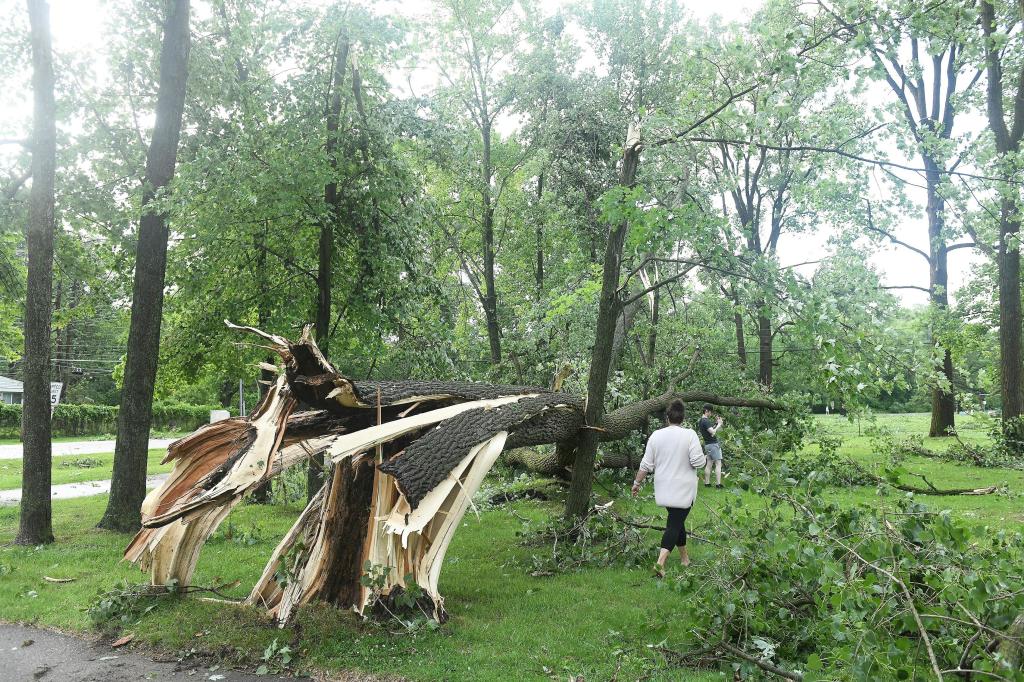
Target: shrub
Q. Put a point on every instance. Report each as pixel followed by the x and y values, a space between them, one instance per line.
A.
pixel 95 420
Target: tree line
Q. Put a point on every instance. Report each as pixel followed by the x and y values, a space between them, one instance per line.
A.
pixel 614 194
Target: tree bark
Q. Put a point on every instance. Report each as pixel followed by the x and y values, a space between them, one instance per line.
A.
pixel 1010 356
pixel 128 483
pixel 35 521
pixel 943 402
pixel 578 499
pixel 1007 138
pixel 764 343
pixel 325 252
pixel 490 293
pixel 540 238
pixel 737 318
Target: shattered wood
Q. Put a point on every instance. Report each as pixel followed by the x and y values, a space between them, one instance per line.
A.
pixel 407 457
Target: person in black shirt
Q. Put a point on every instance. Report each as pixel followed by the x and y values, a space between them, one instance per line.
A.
pixel 712 448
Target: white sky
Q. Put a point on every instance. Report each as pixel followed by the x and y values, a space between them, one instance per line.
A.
pixel 80 25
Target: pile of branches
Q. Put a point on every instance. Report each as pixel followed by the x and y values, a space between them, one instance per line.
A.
pixel 601 537
pixel 1002 449
pixel 829 467
pixel 809 590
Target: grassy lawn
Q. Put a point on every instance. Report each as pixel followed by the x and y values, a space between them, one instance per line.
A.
pixel 77 468
pixel 600 622
pixel 998 510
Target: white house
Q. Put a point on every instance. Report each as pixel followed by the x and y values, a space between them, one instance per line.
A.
pixel 11 391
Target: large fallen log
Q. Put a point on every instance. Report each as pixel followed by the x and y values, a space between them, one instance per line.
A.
pixel 406 457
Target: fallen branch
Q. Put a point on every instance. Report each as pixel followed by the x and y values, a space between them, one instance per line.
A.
pixel 763 665
pixel 931 489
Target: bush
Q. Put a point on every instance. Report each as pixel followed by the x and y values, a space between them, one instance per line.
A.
pixel 858 593
pixel 96 420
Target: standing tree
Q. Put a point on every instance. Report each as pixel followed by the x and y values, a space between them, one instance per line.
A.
pixel 1006 91
pixel 328 228
pixel 921 53
pixel 478 40
pixel 128 484
pixel 35 526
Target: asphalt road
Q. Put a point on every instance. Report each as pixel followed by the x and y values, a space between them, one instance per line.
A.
pixel 31 655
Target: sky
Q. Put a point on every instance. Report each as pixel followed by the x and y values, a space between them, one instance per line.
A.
pixel 79 25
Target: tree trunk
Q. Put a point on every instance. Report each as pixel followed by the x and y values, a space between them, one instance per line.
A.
pixel 943 402
pixel 35 522
pixel 1007 139
pixel 315 472
pixel 128 483
pixel 1010 360
pixel 490 294
pixel 540 238
pixel 737 318
pixel 764 344
pixel 578 499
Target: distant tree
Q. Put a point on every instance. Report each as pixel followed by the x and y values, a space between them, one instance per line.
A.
pixel 922 53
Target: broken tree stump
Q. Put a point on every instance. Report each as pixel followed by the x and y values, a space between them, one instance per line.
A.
pixel 406 458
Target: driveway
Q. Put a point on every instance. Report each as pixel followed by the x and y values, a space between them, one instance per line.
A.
pixel 82 447
pixel 31 655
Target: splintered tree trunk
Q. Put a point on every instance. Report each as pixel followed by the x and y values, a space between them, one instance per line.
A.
pixel 943 401
pixel 35 523
pixel 407 457
pixel 128 483
pixel 345 523
pixel 315 472
pixel 261 495
pixel 578 499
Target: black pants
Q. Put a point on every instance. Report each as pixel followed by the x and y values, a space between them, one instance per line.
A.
pixel 675 529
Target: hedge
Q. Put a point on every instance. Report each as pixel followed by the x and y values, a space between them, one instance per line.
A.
pixel 97 420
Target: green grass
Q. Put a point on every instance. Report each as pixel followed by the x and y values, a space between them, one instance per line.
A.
pixel 77 468
pixel 998 510
pixel 599 622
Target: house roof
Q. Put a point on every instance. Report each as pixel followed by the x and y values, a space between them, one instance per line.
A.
pixel 8 385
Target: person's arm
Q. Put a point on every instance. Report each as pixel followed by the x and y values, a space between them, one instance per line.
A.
pixel 714 429
pixel 646 467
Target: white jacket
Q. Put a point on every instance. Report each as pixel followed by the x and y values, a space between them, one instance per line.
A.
pixel 674 454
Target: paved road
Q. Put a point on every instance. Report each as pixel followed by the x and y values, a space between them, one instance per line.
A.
pixel 83 447
pixel 66 491
pixel 31 655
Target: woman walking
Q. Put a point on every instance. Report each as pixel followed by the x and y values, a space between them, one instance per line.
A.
pixel 674 455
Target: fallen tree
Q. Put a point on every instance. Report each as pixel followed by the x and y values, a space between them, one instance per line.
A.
pixel 406 456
